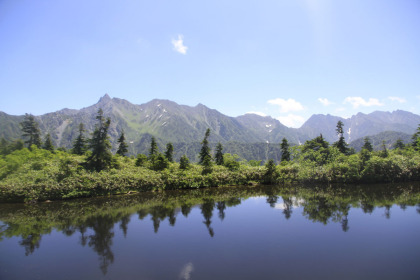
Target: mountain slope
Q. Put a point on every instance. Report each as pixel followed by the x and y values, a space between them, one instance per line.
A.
pixel 390 137
pixel 361 125
pixel 180 124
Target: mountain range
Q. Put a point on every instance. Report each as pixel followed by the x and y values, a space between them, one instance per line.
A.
pixel 185 126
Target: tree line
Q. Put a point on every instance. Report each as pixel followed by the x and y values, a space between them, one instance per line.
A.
pixel 99 157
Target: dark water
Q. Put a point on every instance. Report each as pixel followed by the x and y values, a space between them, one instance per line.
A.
pixel 365 232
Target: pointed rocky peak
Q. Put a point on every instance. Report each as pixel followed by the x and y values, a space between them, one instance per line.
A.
pixel 104 99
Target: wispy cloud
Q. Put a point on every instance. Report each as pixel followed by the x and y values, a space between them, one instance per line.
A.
pixel 325 101
pixel 292 120
pixel 289 105
pixel 357 101
pixel 257 113
pixel 179 45
pixel 398 99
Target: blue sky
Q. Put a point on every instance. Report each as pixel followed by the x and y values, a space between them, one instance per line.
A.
pixel 283 58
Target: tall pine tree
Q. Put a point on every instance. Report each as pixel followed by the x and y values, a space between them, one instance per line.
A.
pixel 367 145
pixel 184 163
pixel 341 143
pixel 48 145
pixel 122 147
pixel 284 147
pixel 218 157
pixel 79 145
pixel 205 156
pixel 399 144
pixel 101 156
pixel 416 139
pixel 169 153
pixel 31 131
pixel 154 150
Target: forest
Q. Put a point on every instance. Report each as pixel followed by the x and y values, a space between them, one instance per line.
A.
pixel 33 170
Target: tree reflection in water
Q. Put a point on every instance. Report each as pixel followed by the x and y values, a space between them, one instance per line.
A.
pixel 95 219
pixel 221 206
pixel 101 240
pixel 30 243
pixel 288 207
pixel 207 211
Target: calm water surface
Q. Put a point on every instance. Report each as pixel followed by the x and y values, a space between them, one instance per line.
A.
pixel 365 232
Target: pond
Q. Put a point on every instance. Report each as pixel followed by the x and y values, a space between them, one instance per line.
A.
pixel 249 232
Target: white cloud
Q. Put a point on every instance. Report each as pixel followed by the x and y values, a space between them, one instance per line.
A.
pixel 398 99
pixel 186 271
pixel 359 101
pixel 292 120
pixel 179 45
pixel 325 101
pixel 289 105
pixel 257 113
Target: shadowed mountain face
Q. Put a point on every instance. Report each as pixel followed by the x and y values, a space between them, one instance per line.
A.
pixel 170 122
pixel 361 125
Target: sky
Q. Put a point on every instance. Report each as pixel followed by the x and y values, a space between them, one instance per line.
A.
pixel 283 58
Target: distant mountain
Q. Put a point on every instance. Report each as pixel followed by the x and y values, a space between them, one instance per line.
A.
pixel 321 124
pixel 390 137
pixel 268 129
pixel 185 126
pixel 361 125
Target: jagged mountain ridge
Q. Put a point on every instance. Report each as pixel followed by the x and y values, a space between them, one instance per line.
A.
pixel 170 122
pixel 361 125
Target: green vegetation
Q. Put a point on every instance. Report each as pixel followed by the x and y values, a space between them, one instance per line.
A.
pixel 122 146
pixel 100 157
pixel 48 145
pixel 341 143
pixel 79 146
pixel 218 157
pixel 367 145
pixel 205 156
pixel 169 153
pixel 31 132
pixel 37 174
pixel 285 153
pixel 184 163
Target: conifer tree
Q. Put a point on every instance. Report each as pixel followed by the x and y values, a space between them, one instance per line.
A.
pixel 384 152
pixel 315 144
pixel 31 131
pixel 184 162
pixel 141 160
pixel 154 150
pixel 219 154
pixel 79 145
pixel 399 144
pixel 285 153
pixel 269 175
pixel 169 153
pixel 122 147
pixel 4 146
pixel 367 145
pixel 415 139
pixel 204 156
pixel 160 162
pixel 48 145
pixel 341 143
pixel 101 156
